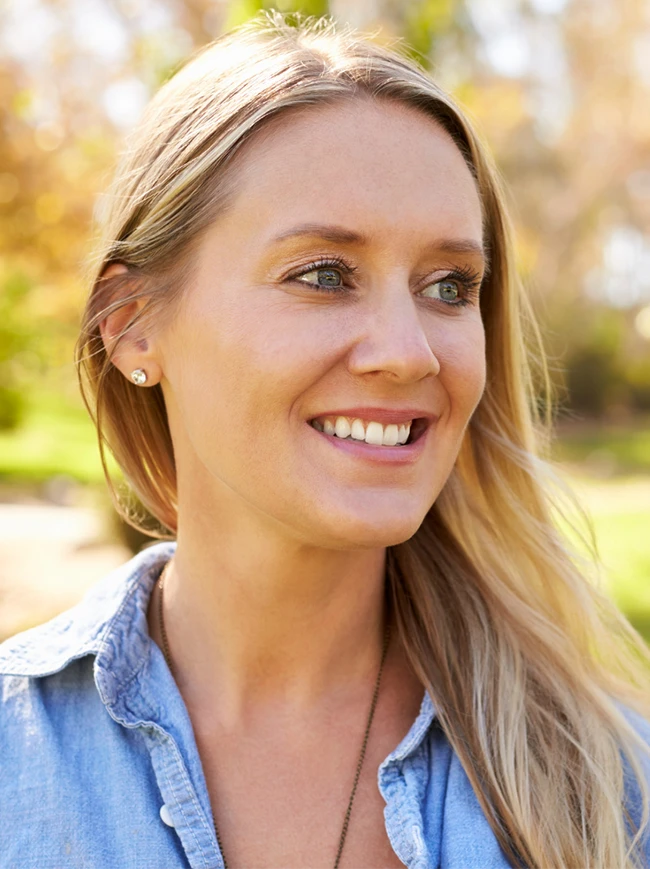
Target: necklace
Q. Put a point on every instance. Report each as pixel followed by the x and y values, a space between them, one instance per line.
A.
pixel 375 695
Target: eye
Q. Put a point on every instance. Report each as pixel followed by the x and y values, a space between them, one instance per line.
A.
pixel 449 290
pixel 325 274
pixel 460 287
pixel 324 277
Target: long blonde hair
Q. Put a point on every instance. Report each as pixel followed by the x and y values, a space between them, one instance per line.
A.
pixel 527 662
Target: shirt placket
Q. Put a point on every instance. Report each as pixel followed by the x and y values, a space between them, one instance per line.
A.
pixel 400 778
pixel 147 700
pixel 403 818
pixel 183 810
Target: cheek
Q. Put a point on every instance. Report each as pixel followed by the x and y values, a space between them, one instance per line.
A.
pixel 284 341
pixel 461 353
pixel 250 363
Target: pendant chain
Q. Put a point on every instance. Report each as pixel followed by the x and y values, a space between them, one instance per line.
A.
pixel 373 705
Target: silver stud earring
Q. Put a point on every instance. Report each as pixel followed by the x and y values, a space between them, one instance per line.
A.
pixel 139 376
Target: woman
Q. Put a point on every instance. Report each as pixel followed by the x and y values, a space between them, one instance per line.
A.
pixel 368 644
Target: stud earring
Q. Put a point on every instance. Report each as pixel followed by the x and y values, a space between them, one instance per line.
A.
pixel 139 376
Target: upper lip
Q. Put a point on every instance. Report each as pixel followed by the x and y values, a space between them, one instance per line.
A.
pixel 384 415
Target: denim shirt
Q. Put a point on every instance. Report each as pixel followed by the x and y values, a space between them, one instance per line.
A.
pixel 99 767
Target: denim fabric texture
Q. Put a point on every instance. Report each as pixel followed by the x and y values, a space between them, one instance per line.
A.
pixel 100 769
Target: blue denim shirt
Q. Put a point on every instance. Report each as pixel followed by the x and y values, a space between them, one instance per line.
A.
pixel 100 769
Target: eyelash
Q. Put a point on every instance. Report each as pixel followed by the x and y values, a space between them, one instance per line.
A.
pixel 467 277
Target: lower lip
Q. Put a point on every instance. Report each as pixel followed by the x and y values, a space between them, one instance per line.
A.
pixel 379 455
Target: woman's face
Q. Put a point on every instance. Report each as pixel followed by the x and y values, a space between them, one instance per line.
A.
pixel 340 285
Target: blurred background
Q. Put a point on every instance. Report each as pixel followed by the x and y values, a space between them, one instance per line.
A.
pixel 560 89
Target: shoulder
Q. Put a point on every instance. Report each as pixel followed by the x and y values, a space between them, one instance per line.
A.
pixel 56 678
pixel 638 722
pixel 42 668
pixel 71 741
pixel 84 629
pixel 641 727
pixel 633 787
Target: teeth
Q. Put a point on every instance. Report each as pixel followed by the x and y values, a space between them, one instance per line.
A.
pixel 371 432
pixel 342 427
pixel 375 433
pixel 358 432
pixel 391 436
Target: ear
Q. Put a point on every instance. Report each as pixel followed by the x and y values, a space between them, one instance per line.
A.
pixel 134 349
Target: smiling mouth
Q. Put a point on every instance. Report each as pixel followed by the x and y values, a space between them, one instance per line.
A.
pixel 371 432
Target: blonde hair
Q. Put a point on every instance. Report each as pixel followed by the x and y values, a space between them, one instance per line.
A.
pixel 527 662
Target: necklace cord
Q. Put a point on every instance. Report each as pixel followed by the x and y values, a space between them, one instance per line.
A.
pixel 373 706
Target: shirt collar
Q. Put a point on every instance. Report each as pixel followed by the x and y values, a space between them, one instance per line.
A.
pixel 109 622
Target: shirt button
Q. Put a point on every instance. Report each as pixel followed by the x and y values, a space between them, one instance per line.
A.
pixel 165 816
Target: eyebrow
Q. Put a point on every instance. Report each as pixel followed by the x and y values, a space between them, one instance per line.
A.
pixel 347 236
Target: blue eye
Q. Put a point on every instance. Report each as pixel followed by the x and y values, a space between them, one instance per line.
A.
pixel 329 274
pixel 449 290
pixel 325 277
pixel 457 289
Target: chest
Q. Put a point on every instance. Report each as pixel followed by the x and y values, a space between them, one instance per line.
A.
pixel 288 809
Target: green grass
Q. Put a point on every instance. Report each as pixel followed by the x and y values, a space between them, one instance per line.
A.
pixel 56 438
pixel 620 511
pixel 617 448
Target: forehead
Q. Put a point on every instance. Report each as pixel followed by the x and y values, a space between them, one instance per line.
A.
pixel 382 165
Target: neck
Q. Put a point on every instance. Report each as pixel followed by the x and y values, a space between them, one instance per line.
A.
pixel 269 621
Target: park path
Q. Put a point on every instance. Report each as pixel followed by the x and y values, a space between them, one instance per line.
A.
pixel 49 556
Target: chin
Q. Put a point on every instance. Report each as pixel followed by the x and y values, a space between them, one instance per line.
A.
pixel 370 530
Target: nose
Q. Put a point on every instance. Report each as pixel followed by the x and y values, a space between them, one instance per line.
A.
pixel 393 342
